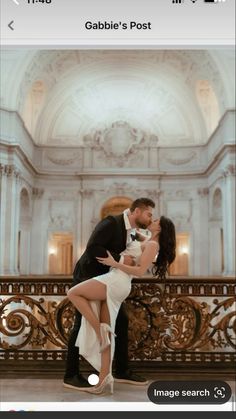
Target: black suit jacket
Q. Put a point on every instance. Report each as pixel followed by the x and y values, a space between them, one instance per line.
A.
pixel 109 234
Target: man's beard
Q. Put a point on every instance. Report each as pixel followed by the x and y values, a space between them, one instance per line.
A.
pixel 139 224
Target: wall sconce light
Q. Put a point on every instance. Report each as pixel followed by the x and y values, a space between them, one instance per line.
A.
pixel 184 250
pixel 52 251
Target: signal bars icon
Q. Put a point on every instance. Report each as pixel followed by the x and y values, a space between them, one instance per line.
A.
pixel 178 1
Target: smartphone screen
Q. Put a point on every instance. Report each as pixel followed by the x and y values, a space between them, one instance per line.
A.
pixel 117 206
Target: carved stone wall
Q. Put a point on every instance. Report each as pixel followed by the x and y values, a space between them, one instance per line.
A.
pixel 68 187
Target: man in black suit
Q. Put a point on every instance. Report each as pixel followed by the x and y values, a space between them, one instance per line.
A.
pixel 113 234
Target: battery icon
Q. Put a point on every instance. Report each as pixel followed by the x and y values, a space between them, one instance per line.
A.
pixel 209 1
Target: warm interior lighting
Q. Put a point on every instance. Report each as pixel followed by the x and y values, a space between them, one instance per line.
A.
pixel 60 253
pixel 52 251
pixel 184 250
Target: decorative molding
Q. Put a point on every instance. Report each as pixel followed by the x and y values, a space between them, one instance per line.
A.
pixel 35 286
pixel 206 162
pixel 183 158
pixel 204 362
pixel 60 222
pixel 63 195
pixel 49 285
pixel 60 217
pixel 64 158
pixel 37 193
pixel 130 190
pixel 10 170
pixel 119 142
pixel 87 193
pixel 229 171
pixel 203 192
pixel 179 194
pixel 2 169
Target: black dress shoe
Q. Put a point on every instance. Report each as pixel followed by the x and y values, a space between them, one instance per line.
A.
pixel 129 377
pixel 78 382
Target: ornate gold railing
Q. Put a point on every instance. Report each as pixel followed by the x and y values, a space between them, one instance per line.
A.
pixel 184 322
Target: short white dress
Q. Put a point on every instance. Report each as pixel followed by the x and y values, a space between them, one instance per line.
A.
pixel 118 287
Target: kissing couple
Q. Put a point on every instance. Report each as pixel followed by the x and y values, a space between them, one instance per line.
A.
pixel 102 281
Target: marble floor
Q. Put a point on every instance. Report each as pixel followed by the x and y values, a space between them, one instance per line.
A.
pixel 52 390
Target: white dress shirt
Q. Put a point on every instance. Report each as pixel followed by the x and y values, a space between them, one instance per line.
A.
pixel 129 230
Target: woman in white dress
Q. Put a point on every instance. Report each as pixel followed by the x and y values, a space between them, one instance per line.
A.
pixel 99 299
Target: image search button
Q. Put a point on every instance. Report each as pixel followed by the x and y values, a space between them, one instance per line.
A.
pixel 189 392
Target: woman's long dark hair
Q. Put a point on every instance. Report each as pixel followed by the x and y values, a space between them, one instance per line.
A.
pixel 167 243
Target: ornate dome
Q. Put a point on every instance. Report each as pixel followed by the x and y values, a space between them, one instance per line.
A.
pixel 175 96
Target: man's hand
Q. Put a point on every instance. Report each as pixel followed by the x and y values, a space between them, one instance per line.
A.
pixel 129 260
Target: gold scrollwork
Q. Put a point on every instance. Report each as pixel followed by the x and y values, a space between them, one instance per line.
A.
pixel 159 323
pixel 33 325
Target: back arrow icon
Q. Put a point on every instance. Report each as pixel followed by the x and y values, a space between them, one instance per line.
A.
pixel 10 25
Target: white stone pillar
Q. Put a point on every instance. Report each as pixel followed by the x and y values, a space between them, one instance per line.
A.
pixel 229 220
pixel 200 233
pixel 87 215
pixel 25 247
pixel 215 251
pixel 38 243
pixel 17 222
pixel 77 243
pixel 3 211
pixel 11 221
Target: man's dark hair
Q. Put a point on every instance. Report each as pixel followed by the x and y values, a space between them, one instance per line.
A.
pixel 142 203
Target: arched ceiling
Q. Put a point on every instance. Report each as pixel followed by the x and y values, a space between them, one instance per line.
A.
pixel 63 95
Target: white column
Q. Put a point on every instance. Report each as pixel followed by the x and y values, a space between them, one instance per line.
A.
pixel 200 233
pixel 11 221
pixel 17 222
pixel 25 249
pixel 38 242
pixel 87 215
pixel 215 252
pixel 3 210
pixel 229 220
pixel 77 243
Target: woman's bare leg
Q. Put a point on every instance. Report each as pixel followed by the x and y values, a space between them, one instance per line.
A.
pixel 80 295
pixel 106 354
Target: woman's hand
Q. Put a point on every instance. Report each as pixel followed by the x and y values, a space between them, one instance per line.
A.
pixel 109 261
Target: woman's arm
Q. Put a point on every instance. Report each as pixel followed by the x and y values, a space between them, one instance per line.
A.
pixel 148 255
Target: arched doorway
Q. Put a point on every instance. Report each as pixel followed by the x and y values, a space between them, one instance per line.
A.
pixel 180 266
pixel 115 206
pixel 60 250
